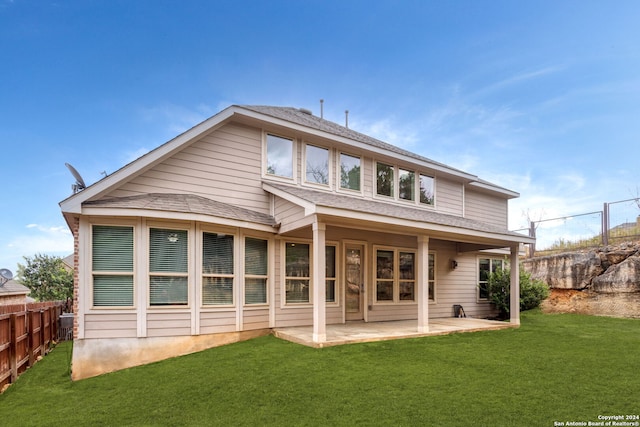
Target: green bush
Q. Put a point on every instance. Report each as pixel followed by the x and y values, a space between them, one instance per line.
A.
pixel 532 292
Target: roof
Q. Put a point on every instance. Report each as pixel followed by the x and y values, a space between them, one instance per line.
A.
pixel 184 203
pixel 333 200
pixel 284 116
pixel 12 287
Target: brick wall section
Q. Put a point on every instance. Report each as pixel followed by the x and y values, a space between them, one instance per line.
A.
pixel 76 277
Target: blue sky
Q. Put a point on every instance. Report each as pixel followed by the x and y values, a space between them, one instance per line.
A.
pixel 541 97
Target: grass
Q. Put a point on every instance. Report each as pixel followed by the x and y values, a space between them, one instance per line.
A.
pixel 553 368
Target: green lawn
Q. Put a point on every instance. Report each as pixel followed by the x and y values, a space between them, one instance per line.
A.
pixel 553 368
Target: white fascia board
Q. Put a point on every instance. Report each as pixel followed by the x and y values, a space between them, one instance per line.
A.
pixel 357 144
pixel 309 207
pixel 179 216
pixel 494 189
pixel 426 226
pixel 73 204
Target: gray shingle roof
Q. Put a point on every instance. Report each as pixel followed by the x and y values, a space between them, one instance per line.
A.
pixel 12 287
pixel 332 200
pixel 184 203
pixel 297 116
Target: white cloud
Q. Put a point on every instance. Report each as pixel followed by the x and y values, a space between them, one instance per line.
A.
pixel 35 239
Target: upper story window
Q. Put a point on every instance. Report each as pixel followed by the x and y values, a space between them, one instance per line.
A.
pixel 406 184
pixel 384 179
pixel 317 165
pixel 426 190
pixel 168 266
pixel 112 266
pixel 349 172
pixel 279 156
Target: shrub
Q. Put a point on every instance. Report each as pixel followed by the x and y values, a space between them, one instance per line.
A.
pixel 532 292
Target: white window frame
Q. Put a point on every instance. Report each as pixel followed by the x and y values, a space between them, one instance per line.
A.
pixel 478 281
pixel 338 174
pixel 328 185
pixel 396 275
pixel 202 274
pixel 190 258
pixel 336 283
pixel 433 295
pixel 265 158
pixel 133 273
pixel 394 191
pixel 267 278
pixel 396 184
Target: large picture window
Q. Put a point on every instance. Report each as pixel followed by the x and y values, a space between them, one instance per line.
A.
pixel 256 268
pixel 112 266
pixel 297 273
pixel 395 275
pixel 349 172
pixel 279 156
pixel 168 267
pixel 217 269
pixel 317 165
pixel 486 266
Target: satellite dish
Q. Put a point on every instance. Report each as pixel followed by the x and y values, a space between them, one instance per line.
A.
pixel 5 275
pixel 79 185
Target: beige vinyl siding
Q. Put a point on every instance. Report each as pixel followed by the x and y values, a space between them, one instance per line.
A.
pixel 168 324
pixel 287 212
pixel 486 208
pixel 213 322
pixel 110 325
pixel 255 319
pixel 225 165
pixel 449 197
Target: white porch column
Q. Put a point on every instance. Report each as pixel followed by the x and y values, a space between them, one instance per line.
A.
pixel 319 283
pixel 423 284
pixel 514 303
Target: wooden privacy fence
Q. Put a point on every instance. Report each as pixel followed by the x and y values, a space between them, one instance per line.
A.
pixel 27 333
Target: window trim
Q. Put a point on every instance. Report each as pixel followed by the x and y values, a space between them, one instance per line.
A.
pixel 201 275
pixel 92 272
pixel 338 175
pixel 265 158
pixel 478 281
pixel 393 183
pixel 396 275
pixel 189 274
pixel 433 295
pixel 329 184
pixel 417 173
pixel 244 275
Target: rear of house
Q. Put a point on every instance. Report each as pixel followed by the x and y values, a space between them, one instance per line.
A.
pixel 268 217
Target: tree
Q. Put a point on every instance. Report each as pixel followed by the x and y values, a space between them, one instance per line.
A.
pixel 46 277
pixel 532 292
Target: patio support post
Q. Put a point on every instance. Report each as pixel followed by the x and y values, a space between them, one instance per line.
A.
pixel 514 303
pixel 319 283
pixel 423 284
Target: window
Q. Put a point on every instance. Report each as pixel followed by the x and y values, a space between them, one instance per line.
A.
pixel 384 275
pixel 168 267
pixel 317 165
pixel 486 266
pixel 330 273
pixel 407 266
pixel 384 180
pixel 279 156
pixel 297 273
pixel 349 172
pixel 255 271
pixel 426 190
pixel 112 266
pixel 406 184
pixel 217 269
pixel 395 275
pixel 432 277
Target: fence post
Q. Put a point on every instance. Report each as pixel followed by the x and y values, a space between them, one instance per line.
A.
pixel 605 224
pixel 532 233
pixel 13 349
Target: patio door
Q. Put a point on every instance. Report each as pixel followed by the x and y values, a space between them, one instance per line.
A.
pixel 354 282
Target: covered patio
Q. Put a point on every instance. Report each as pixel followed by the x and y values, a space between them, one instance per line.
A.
pixel 356 332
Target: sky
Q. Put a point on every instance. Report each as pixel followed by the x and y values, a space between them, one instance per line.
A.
pixel 540 97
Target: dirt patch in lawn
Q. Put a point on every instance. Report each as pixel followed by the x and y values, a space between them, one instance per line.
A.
pixel 592 303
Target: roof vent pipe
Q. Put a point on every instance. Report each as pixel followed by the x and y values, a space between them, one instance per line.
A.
pixel 322 108
pixel 346 119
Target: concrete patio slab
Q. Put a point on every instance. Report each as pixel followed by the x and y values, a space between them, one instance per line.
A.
pixel 355 332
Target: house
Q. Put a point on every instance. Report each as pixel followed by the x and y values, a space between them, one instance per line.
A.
pixel 268 217
pixel 12 292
